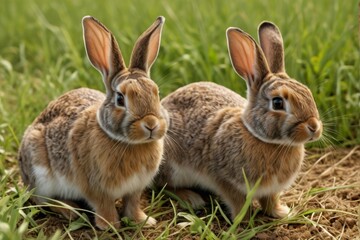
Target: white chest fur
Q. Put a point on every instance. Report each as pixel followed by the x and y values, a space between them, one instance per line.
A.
pixel 136 182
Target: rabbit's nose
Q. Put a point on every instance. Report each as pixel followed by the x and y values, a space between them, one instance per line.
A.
pixel 150 123
pixel 312 128
pixel 315 127
pixel 151 128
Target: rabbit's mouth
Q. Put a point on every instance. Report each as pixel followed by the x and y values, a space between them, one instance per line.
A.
pixel 309 131
pixel 150 131
pixel 152 128
pixel 314 129
pixel 154 134
pixel 315 137
pixel 151 137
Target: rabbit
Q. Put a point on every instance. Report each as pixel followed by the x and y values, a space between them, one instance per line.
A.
pixel 96 147
pixel 215 134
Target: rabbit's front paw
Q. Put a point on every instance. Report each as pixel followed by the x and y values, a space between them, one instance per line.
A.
pixel 150 221
pixel 280 211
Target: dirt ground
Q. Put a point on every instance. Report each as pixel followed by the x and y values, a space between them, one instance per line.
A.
pixel 333 176
pixel 322 169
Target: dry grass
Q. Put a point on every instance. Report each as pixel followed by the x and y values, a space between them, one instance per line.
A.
pixel 325 204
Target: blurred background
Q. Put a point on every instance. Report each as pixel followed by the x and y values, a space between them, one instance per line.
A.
pixel 42 53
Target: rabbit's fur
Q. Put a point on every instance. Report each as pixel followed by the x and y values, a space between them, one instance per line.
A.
pixel 100 147
pixel 215 134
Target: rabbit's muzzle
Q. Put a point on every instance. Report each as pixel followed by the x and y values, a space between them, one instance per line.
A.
pixel 314 128
pixel 152 128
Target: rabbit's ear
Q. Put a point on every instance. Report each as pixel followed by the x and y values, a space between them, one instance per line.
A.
pixel 272 44
pixel 102 49
pixel 247 58
pixel 147 46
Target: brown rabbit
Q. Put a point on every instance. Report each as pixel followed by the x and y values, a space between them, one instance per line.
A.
pixel 215 133
pixel 101 147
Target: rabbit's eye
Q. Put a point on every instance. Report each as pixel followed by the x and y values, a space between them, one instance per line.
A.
pixel 120 101
pixel 278 103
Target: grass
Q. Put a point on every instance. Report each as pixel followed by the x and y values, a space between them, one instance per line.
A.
pixel 42 56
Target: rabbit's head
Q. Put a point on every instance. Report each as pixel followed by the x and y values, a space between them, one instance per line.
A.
pixel 280 109
pixel 132 111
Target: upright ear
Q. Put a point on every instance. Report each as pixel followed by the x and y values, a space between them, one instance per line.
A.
pixel 272 44
pixel 247 57
pixel 102 49
pixel 147 47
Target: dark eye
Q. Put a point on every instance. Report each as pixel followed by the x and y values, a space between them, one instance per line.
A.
pixel 278 103
pixel 120 101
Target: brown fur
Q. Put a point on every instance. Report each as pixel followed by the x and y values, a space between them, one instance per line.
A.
pixel 215 134
pixel 85 146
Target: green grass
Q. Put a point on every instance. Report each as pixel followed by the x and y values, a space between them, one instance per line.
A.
pixel 42 56
pixel 42 53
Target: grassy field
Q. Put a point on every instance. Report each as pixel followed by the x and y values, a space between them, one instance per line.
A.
pixel 42 56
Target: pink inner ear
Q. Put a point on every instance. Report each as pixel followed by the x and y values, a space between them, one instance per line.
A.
pixel 98 42
pixel 242 52
pixel 153 48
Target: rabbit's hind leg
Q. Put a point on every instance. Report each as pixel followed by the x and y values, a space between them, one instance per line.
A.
pixel 187 195
pixel 66 208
